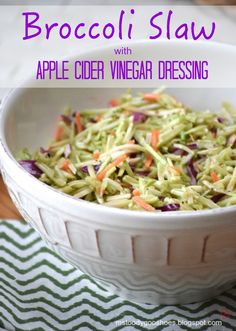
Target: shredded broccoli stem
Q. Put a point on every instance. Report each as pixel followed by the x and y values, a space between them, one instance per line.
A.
pixel 152 146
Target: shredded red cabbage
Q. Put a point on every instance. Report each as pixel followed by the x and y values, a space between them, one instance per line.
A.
pixel 217 197
pixel 192 172
pixel 66 119
pixel 139 117
pixel 170 207
pixel 143 173
pixel 96 167
pixel 44 151
pixel 31 167
pixel 133 155
pixel 220 119
pixel 85 168
pixel 193 146
pixel 179 151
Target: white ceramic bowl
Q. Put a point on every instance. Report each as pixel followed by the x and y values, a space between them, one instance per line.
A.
pixel 170 258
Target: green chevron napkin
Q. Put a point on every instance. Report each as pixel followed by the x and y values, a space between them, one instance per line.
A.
pixel 39 291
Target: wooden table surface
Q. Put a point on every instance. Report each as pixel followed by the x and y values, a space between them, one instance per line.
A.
pixel 7 208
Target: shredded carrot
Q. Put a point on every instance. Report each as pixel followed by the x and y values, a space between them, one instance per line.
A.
pixel 66 166
pixel 155 138
pixel 136 193
pixel 213 134
pixel 131 142
pixel 98 118
pixel 177 170
pixel 99 190
pixel 214 176
pixel 148 162
pixel 126 112
pixel 78 122
pixel 96 155
pixel 115 163
pixel 59 133
pixel 151 97
pixel 114 102
pixel 143 204
pixel 154 141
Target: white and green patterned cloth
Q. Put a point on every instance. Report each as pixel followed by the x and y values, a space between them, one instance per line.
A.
pixel 39 291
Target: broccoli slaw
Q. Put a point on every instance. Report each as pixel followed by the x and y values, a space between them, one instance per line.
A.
pixel 144 152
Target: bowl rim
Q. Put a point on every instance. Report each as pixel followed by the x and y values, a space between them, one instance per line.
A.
pixel 6 154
